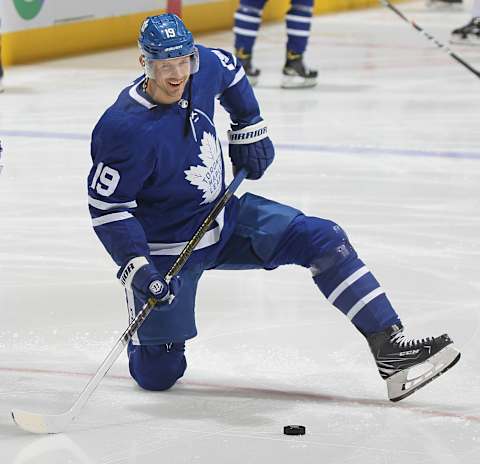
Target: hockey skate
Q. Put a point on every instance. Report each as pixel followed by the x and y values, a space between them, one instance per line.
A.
pixel 468 34
pixel 408 364
pixel 295 74
pixel 246 59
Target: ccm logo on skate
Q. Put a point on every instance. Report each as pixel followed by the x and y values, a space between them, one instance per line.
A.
pixel 407 353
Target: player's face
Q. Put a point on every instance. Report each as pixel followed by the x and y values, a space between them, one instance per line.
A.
pixel 170 78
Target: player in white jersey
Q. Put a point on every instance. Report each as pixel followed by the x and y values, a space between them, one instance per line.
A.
pixel 469 34
pixel 157 171
pixel 298 21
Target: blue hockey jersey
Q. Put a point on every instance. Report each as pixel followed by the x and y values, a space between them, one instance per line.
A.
pixel 158 169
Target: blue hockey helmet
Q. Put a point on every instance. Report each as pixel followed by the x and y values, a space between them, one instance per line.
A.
pixel 165 37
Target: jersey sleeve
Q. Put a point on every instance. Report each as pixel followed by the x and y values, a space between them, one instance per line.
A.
pixel 235 92
pixel 120 168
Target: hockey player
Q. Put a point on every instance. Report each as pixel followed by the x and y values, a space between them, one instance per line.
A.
pixel 470 33
pixel 157 170
pixel 248 18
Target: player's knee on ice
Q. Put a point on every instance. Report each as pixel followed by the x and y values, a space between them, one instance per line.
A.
pixel 157 367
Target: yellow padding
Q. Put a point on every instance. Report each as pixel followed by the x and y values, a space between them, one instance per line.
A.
pixel 100 34
pixel 72 38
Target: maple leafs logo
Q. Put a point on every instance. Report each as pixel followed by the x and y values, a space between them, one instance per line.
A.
pixel 208 178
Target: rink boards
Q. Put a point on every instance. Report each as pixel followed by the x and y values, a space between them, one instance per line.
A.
pixel 51 31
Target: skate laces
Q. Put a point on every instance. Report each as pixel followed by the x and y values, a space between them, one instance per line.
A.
pixel 403 341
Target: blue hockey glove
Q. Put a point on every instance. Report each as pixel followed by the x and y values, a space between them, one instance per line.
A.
pixel 146 282
pixel 251 148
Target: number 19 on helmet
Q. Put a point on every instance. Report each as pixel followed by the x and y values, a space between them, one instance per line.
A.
pixel 164 38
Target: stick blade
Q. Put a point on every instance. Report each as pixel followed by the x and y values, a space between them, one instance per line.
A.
pixel 40 423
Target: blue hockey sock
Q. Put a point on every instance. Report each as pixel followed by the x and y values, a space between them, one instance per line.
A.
pixel 323 247
pixel 352 288
pixel 248 18
pixel 299 21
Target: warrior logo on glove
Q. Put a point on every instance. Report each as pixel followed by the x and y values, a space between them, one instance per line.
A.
pixel 156 287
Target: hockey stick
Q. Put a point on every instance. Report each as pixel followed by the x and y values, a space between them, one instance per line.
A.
pixel 430 37
pixel 56 423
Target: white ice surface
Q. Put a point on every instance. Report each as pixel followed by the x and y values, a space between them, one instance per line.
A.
pixel 387 145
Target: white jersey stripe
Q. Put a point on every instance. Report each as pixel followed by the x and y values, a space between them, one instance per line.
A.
pixel 105 206
pixel 112 217
pixel 360 304
pixel 238 76
pixel 347 282
pixel 247 32
pixel 173 249
pixel 298 33
pixel 248 18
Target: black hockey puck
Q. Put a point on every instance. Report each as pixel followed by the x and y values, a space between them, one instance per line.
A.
pixel 294 430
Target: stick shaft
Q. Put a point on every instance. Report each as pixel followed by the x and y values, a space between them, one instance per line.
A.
pixel 190 246
pixel 147 308
pixel 457 58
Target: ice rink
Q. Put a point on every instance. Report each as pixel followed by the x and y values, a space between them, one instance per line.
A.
pixel 387 145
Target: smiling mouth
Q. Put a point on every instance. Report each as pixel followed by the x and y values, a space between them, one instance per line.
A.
pixel 175 83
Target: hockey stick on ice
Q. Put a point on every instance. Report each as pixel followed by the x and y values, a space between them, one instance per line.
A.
pixel 56 423
pixel 430 37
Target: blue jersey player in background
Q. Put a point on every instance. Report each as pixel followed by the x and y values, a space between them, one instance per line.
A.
pixel 298 21
pixel 157 170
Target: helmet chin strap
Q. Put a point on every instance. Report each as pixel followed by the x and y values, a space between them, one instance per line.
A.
pixel 152 90
pixel 189 107
pixel 145 84
pixel 143 62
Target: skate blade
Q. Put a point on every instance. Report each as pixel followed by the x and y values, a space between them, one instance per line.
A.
pixel 400 386
pixel 470 42
pixel 298 82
